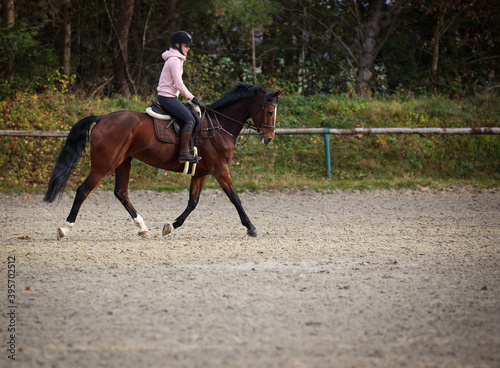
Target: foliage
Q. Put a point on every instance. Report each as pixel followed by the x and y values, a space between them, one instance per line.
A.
pixel 383 157
pixel 252 13
pixel 290 161
pixel 33 65
pixel 305 47
pixel 28 161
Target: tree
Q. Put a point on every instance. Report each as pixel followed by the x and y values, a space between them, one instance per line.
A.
pixel 249 15
pixel 8 21
pixel 66 37
pixel 444 15
pixel 368 34
pixel 381 16
pixel 360 29
pixel 120 56
pixel 305 46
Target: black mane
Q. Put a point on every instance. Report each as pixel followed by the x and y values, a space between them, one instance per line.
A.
pixel 239 92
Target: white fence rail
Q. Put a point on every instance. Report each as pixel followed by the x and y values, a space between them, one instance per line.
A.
pixel 326 132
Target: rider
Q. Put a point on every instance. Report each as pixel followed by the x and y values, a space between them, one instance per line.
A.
pixel 171 85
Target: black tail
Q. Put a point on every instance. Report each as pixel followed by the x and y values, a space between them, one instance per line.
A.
pixel 69 156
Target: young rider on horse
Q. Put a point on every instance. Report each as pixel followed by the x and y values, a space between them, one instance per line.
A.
pixel 171 85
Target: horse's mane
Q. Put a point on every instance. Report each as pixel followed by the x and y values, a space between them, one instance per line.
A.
pixel 239 92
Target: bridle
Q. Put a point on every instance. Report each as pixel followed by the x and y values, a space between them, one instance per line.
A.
pixel 248 124
pixel 274 103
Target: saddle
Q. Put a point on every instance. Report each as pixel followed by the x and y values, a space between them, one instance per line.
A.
pixel 167 128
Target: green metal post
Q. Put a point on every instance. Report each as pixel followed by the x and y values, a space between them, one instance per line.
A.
pixel 327 154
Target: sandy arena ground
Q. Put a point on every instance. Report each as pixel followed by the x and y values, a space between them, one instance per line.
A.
pixel 338 279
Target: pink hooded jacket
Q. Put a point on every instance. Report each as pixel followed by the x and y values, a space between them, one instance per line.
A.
pixel 170 83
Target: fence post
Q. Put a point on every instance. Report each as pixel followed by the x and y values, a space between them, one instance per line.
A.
pixel 327 153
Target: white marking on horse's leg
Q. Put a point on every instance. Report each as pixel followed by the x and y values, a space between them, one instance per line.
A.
pixel 63 230
pixel 139 222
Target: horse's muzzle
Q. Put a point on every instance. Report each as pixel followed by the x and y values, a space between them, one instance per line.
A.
pixel 267 137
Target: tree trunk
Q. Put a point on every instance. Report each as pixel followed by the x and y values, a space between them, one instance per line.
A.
pixel 254 60
pixel 8 12
pixel 66 37
pixel 120 58
pixel 8 20
pixel 302 68
pixel 369 46
pixel 438 33
pixel 435 58
pixel 173 17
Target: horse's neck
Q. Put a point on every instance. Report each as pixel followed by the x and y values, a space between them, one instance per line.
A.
pixel 239 116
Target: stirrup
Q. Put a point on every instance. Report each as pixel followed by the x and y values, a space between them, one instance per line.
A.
pixel 186 156
pixel 186 161
pixel 193 167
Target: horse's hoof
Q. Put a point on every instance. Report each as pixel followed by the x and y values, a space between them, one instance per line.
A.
pixel 60 233
pixel 144 234
pixel 253 233
pixel 167 229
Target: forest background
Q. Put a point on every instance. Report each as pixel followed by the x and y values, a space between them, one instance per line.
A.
pixel 342 63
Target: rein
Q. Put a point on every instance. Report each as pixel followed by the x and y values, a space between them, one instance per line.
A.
pixel 247 124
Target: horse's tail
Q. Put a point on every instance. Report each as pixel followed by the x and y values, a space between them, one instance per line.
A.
pixel 69 156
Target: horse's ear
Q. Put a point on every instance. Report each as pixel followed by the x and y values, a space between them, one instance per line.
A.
pixel 277 94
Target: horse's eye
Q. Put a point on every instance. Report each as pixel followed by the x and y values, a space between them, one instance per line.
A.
pixel 270 113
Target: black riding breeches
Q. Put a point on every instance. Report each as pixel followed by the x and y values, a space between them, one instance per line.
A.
pixel 176 108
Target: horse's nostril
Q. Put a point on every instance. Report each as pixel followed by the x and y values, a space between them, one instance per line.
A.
pixel 268 140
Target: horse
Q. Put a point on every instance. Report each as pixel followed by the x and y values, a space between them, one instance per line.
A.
pixel 118 137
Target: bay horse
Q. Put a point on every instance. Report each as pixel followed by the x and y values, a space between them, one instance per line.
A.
pixel 120 136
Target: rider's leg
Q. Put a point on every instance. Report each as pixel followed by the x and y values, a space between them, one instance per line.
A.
pixel 187 133
pixel 183 115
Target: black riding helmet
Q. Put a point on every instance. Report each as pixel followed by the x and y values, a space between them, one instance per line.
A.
pixel 179 38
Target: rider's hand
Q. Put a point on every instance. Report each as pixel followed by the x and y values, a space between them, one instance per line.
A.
pixel 198 102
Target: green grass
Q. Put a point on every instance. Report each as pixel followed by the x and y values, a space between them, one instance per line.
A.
pixel 359 162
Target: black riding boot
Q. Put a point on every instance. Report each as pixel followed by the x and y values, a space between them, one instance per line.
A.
pixel 185 154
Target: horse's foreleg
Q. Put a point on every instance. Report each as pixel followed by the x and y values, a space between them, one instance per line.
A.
pixel 194 195
pixel 226 184
pixel 82 193
pixel 122 174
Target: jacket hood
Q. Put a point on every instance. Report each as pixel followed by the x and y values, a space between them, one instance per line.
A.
pixel 172 53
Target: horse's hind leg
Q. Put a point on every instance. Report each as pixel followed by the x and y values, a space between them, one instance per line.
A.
pixel 122 174
pixel 82 193
pixel 194 195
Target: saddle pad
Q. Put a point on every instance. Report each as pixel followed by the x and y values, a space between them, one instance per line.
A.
pixel 169 131
pixel 166 131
